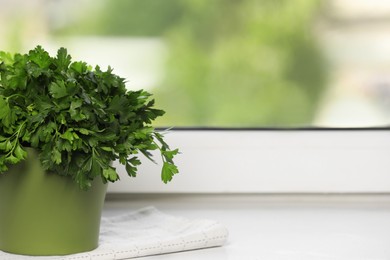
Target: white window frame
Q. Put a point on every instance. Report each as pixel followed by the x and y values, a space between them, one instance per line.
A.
pixel 270 161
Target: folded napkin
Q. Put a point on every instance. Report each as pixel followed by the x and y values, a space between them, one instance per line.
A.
pixel 146 232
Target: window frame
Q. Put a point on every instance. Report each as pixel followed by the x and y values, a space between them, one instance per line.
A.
pixel 269 160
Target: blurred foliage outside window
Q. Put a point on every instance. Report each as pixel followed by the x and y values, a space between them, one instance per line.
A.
pixel 225 63
pixel 230 63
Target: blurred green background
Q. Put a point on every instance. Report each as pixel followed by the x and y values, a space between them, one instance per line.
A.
pixel 230 62
pixel 226 63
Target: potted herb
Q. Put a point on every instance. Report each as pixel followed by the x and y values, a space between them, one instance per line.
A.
pixel 62 124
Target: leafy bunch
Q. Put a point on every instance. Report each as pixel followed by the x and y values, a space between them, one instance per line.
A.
pixel 79 119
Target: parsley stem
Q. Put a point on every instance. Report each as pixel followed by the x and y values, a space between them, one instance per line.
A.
pixel 161 151
pixel 17 133
pixel 15 95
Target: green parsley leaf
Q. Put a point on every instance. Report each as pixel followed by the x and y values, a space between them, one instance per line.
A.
pixel 20 152
pixel 110 174
pixel 58 89
pixel 63 60
pixel 168 171
pixel 40 57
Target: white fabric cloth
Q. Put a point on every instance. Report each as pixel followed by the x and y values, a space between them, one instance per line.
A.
pixel 146 232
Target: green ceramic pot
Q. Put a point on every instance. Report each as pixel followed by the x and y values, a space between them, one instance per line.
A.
pixel 47 214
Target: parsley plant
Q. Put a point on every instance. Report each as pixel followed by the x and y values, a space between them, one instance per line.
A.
pixel 79 119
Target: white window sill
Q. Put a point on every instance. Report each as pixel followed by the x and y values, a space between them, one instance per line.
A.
pixel 279 227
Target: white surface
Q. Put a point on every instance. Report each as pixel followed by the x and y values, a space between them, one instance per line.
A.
pixel 145 232
pixel 270 161
pixel 283 227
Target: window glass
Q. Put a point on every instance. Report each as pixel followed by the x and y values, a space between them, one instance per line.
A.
pixel 227 63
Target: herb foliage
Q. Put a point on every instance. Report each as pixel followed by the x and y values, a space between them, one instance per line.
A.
pixel 79 119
